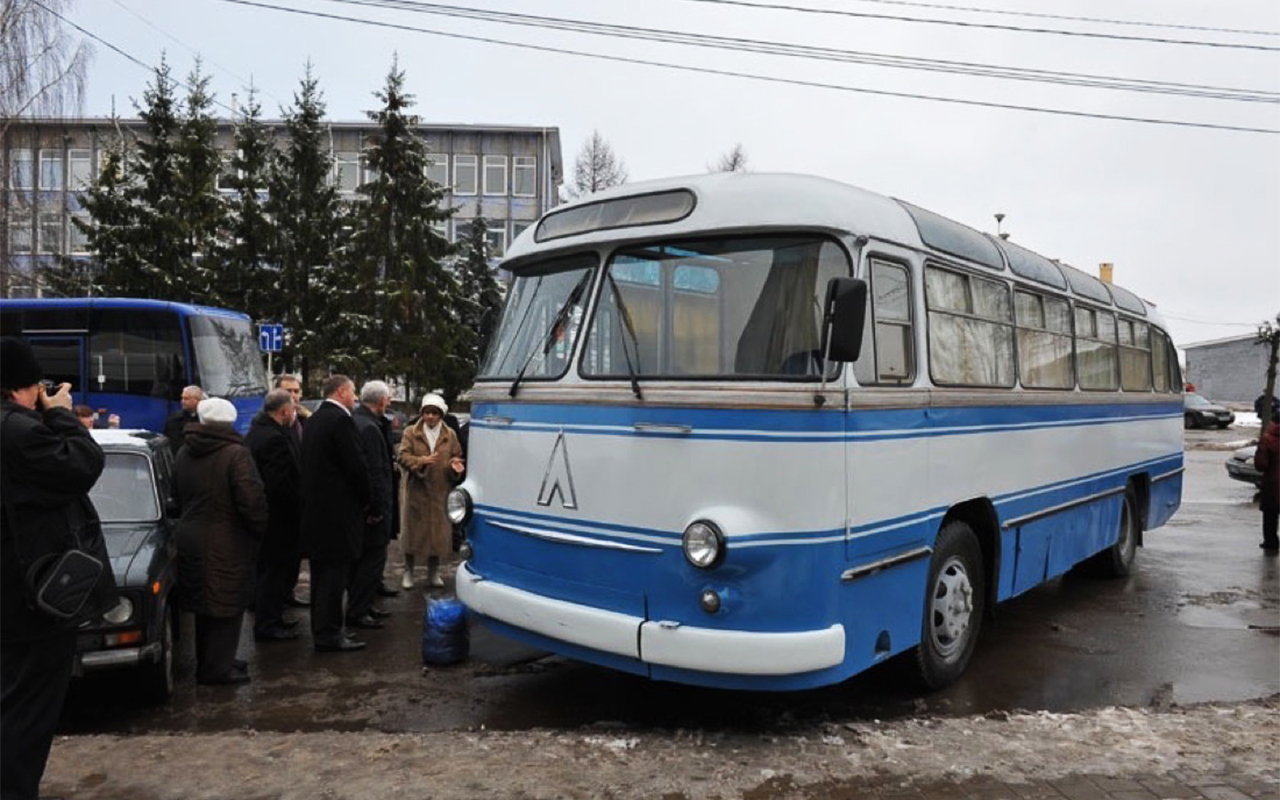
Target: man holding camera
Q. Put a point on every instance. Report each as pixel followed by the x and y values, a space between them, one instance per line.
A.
pixel 48 464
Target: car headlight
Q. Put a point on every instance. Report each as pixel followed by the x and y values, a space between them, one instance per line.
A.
pixel 703 544
pixel 121 614
pixel 458 506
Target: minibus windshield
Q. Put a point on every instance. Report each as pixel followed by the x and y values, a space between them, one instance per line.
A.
pixel 540 322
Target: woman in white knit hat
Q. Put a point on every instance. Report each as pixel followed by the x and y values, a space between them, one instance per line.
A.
pixel 430 459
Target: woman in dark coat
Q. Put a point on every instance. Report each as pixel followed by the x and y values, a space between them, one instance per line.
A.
pixel 224 517
pixel 1267 459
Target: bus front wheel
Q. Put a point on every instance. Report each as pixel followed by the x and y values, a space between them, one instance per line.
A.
pixel 953 606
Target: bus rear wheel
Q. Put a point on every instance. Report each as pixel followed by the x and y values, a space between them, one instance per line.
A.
pixel 953 606
pixel 1117 560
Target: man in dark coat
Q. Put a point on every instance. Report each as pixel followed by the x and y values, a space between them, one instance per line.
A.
pixel 336 500
pixel 1267 459
pixel 224 517
pixel 275 450
pixel 178 421
pixel 49 464
pixel 366 574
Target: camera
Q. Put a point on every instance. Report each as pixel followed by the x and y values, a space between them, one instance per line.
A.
pixel 49 386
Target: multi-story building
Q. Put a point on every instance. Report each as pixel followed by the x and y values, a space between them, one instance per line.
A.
pixel 509 175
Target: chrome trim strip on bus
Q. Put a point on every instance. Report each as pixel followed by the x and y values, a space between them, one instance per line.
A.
pixel 1051 510
pixel 656 427
pixel 665 643
pixel 864 570
pixel 493 419
pixel 1166 475
pixel 568 538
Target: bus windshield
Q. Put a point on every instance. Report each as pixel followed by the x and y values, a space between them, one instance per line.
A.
pixel 544 311
pixel 743 307
pixel 227 354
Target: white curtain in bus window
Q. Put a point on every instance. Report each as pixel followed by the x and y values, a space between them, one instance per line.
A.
pixel 228 359
pixel 1135 356
pixel 747 307
pixel 1159 361
pixel 970 335
pixel 1096 348
pixel 136 351
pixel 1044 341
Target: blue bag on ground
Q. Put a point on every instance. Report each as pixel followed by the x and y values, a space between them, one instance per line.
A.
pixel 445 638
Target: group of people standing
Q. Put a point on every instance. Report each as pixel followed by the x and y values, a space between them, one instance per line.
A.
pixel 323 489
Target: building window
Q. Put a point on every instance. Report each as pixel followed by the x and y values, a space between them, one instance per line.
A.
pixel 51 169
pixel 441 226
pixel 495 175
pixel 51 232
pixel 464 175
pixel 21 169
pixel 518 228
pixel 346 170
pixel 461 231
pixel 80 166
pixel 438 169
pixel 20 231
pixel 524 176
pixel 78 240
pixel 227 173
pixel 496 238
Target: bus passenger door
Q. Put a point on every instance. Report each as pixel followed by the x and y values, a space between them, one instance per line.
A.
pixel 62 361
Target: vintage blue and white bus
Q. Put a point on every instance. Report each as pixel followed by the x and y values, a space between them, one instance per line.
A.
pixel 766 431
pixel 132 358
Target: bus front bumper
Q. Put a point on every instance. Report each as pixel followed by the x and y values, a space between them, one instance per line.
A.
pixel 668 644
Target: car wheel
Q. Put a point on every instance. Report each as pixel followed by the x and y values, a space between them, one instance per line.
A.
pixel 952 606
pixel 1189 422
pixel 158 679
pixel 1117 560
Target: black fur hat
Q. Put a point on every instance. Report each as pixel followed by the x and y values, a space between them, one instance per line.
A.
pixel 18 366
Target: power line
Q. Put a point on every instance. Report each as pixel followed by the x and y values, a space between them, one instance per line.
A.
pixel 753 76
pixel 122 53
pixel 1065 18
pixel 969 69
pixel 987 25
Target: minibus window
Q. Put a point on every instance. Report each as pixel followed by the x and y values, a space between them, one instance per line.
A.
pixel 540 322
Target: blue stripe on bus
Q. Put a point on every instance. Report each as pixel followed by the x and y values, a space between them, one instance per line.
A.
pixel 1022 501
pixel 806 426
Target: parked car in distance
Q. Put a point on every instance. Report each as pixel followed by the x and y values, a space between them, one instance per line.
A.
pixel 1240 466
pixel 132 499
pixel 1197 412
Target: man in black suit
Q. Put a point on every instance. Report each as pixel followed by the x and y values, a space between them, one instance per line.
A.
pixel 177 421
pixel 276 453
pixel 336 500
pixel 366 573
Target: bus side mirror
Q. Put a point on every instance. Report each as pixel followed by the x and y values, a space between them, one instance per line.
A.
pixel 846 314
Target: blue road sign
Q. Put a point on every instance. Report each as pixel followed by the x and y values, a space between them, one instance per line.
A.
pixel 271 338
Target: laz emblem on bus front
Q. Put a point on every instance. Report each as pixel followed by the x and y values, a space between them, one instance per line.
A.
pixel 558 478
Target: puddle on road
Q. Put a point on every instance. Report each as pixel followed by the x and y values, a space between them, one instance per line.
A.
pixel 1241 615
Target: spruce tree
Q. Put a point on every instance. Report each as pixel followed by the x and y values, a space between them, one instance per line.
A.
pixel 156 238
pixel 400 306
pixel 200 210
pixel 109 231
pixel 304 205
pixel 248 272
pixel 480 305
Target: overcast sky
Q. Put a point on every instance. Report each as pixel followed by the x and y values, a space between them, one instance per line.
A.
pixel 1189 216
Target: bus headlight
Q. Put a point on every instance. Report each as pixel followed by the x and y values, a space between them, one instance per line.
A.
pixel 121 613
pixel 458 506
pixel 703 544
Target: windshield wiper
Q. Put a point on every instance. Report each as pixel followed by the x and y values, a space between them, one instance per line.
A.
pixel 549 338
pixel 631 331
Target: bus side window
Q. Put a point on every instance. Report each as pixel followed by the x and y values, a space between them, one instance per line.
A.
pixel 136 352
pixel 1096 348
pixel 1135 356
pixel 1159 361
pixel 887 342
pixel 970 329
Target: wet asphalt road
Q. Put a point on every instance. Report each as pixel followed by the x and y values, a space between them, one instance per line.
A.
pixel 1198 621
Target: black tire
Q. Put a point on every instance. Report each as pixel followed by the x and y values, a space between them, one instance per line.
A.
pixel 157 680
pixel 953 606
pixel 1189 422
pixel 1117 560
